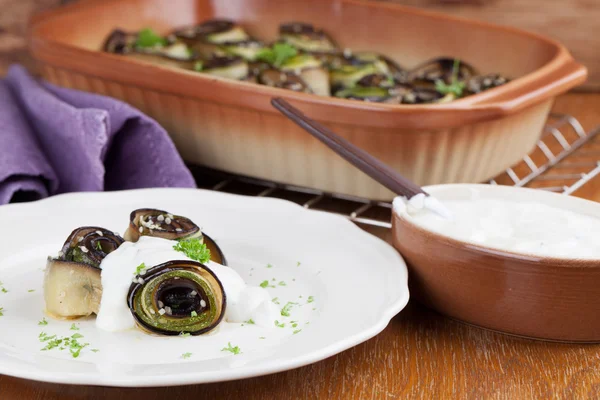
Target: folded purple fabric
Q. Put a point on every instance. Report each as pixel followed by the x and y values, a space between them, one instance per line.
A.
pixel 55 140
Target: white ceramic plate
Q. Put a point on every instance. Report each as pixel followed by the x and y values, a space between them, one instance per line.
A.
pixel 358 283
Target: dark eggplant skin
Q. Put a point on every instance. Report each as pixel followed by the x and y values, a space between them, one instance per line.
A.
pixel 89 245
pixel 174 266
pixel 283 79
pixel 189 230
pixel 72 281
pixel 442 69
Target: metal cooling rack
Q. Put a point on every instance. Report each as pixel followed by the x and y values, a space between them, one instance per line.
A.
pixel 565 160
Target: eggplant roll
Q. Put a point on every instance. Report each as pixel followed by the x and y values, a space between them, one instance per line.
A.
pixel 306 37
pixel 177 297
pixel 428 73
pixel 162 224
pixel 72 284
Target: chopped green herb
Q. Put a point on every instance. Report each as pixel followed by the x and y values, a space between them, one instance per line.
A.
pixel 310 299
pixel 74 327
pixel 279 324
pixel 269 266
pixel 63 343
pixel 278 54
pixel 148 38
pixel 31 290
pixel 184 334
pixel 285 311
pixel 1 311
pixel 282 283
pixel 186 355
pixel 98 246
pixel 43 322
pixel 193 314
pixel 231 349
pixel 314 309
pixel 264 284
pixel 262 337
pixel 455 87
pixel 4 290
pixel 249 322
pixel 297 330
pixel 198 66
pixel 194 249
pixel 273 279
pixel 298 264
pixel 140 268
pixel 95 350
pixel 295 324
pixel 276 300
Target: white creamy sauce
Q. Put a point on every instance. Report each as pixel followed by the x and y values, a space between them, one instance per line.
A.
pixel 517 226
pixel 118 269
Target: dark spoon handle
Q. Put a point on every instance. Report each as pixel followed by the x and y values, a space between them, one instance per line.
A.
pixel 362 160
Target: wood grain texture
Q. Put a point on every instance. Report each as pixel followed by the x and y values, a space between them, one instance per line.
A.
pixel 419 355
pixel 572 22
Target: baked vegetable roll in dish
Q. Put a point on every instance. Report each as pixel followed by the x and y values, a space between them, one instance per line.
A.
pixel 162 224
pixel 216 31
pixel 147 45
pixel 311 70
pixel 441 69
pixel 226 66
pixel 177 297
pixel 72 284
pixel 306 37
pixel 285 80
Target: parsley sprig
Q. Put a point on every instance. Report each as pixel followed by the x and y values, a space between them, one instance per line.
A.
pixel 194 249
pixel 149 38
pixel 140 269
pixel 455 86
pixel 285 311
pixel 67 342
pixel 277 54
pixel 231 349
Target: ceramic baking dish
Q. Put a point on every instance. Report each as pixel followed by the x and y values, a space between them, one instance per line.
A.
pixel 231 125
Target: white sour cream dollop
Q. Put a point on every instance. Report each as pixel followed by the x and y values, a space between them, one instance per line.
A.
pixel 118 269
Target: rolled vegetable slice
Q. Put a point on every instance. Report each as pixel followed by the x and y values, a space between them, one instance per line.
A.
pixel 306 37
pixel 162 224
pixel 72 284
pixel 177 297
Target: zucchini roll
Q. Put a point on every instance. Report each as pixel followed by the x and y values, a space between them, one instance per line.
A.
pixel 72 284
pixel 162 224
pixel 177 297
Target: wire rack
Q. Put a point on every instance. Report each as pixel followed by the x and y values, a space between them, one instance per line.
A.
pixel 565 160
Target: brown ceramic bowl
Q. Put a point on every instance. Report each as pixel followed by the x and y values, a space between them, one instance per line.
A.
pixel 231 125
pixel 525 295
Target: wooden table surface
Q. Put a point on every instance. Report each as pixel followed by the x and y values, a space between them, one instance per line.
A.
pixel 421 354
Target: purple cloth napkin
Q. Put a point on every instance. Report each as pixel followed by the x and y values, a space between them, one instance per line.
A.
pixel 55 140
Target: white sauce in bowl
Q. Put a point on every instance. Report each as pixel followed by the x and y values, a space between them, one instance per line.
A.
pixel 118 269
pixel 526 227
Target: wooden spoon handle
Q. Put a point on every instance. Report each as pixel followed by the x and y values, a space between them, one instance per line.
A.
pixel 362 160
